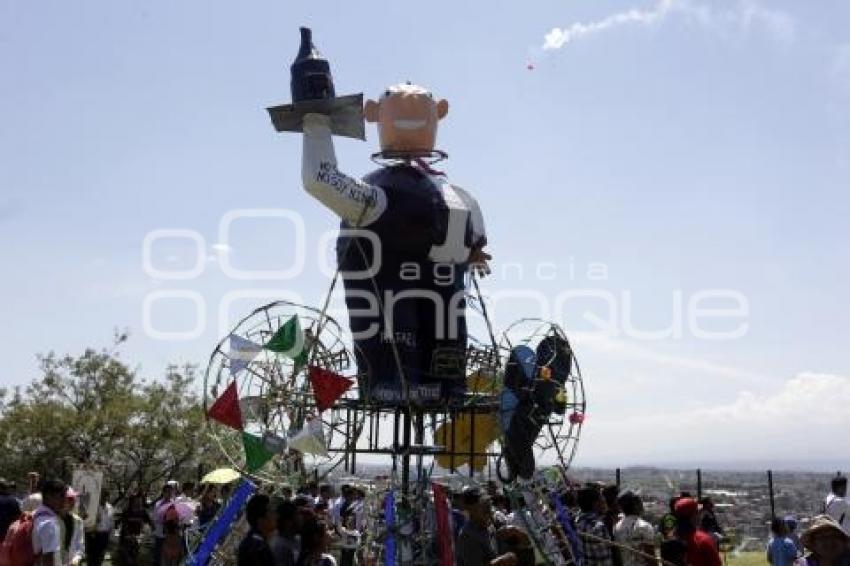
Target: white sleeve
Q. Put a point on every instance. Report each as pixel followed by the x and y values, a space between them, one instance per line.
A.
pixel 344 195
pixel 479 232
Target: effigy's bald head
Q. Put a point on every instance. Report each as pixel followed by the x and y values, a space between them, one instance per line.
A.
pixel 407 116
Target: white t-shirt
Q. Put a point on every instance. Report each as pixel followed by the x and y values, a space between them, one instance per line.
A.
pixel 839 509
pixel 336 511
pixel 633 532
pixel 47 533
pixel 105 518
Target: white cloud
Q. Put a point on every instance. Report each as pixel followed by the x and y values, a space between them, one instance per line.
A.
pixel 744 15
pixel 802 417
pixel 750 14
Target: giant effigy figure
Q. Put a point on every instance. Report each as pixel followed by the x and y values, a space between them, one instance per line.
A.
pixel 407 239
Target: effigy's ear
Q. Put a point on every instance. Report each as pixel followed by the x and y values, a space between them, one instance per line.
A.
pixel 371 111
pixel 442 109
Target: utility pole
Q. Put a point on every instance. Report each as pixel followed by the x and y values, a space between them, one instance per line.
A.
pixel 770 490
pixel 699 484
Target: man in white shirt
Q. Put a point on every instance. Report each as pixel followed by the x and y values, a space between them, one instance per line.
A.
pixel 326 493
pixel 340 505
pixel 47 527
pixel 97 539
pixel 634 533
pixel 836 504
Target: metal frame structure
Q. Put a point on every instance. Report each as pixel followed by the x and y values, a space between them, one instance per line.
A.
pixel 357 428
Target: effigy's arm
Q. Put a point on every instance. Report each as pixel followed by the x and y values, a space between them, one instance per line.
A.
pixel 478 258
pixel 354 201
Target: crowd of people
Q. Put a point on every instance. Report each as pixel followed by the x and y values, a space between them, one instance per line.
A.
pixel 598 525
pixel 320 525
pixel 301 528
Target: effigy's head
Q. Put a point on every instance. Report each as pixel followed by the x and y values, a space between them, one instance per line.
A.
pixel 407 117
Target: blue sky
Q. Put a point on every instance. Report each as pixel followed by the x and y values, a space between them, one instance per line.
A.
pixel 685 144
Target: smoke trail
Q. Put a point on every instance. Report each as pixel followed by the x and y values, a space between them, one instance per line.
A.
pixel 743 15
pixel 559 37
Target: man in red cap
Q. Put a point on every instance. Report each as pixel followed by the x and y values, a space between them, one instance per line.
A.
pixel 701 549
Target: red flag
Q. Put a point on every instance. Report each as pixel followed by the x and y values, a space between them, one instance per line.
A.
pixel 444 538
pixel 226 408
pixel 327 387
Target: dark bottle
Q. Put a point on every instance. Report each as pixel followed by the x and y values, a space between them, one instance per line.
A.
pixel 311 73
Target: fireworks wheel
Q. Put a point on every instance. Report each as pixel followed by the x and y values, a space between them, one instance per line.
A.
pixel 275 395
pixel 559 435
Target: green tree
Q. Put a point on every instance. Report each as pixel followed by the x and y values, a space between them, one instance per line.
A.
pixel 94 409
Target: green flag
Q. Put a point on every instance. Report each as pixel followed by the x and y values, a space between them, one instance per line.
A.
pixel 301 359
pixel 256 453
pixel 288 340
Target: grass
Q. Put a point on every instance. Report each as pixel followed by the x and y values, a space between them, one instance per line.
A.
pixel 746 559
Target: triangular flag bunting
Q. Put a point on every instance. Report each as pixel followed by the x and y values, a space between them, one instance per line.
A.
pixel 242 352
pixel 327 387
pixel 237 365
pixel 226 408
pixel 310 439
pixel 288 340
pixel 253 408
pixel 301 359
pixel 274 443
pixel 256 453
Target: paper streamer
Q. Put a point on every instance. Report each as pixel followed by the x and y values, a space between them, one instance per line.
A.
pixel 222 523
pixel 444 537
pixel 564 518
pixel 389 520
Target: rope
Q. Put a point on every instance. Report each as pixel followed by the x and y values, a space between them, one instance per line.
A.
pixel 633 550
pixel 323 313
pixel 561 541
pixel 485 315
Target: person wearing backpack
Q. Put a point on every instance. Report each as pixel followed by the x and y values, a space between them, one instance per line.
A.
pixel 35 539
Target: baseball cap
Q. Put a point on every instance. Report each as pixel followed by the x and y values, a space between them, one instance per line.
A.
pixel 686 507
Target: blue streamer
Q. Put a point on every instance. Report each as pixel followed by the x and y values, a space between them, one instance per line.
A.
pixel 565 518
pixel 389 520
pixel 222 523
